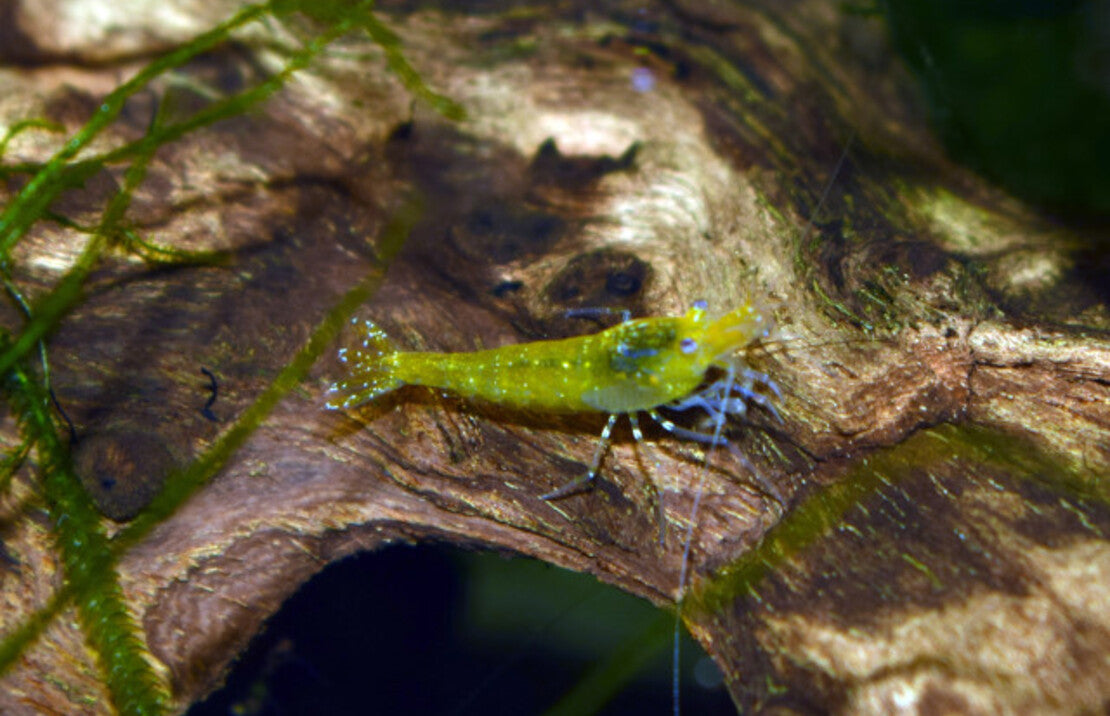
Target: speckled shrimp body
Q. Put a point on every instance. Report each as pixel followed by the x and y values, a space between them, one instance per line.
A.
pixel 636 366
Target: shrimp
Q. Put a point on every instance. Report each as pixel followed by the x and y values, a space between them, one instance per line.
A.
pixel 637 366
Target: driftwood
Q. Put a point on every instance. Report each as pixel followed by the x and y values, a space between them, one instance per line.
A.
pixel 924 529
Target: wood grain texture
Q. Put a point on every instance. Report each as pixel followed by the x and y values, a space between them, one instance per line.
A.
pixel 867 557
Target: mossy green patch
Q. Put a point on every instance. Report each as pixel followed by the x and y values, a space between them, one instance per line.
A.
pixel 823 512
pixel 87 555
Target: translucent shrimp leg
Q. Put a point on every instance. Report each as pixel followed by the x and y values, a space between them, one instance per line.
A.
pixel 685 433
pixel 720 399
pixel 587 480
pixel 635 422
pixel 717 396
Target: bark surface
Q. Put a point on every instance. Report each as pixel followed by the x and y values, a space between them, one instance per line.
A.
pixel 925 529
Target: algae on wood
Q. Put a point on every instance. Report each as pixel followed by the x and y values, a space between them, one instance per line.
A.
pixel 937 477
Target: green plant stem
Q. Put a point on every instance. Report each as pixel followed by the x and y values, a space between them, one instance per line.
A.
pixel 24 210
pixel 88 563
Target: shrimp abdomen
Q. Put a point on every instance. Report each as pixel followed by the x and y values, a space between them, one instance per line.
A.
pixel 633 366
pixel 544 375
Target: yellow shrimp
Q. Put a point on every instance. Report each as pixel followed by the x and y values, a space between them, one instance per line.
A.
pixel 636 366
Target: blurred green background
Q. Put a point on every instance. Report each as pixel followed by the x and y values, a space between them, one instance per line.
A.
pixel 1018 90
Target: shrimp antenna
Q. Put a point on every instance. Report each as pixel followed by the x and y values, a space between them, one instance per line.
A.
pixel 828 187
pixel 676 676
pixel 718 427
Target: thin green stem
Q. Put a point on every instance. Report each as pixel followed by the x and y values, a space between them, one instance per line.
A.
pixel 40 191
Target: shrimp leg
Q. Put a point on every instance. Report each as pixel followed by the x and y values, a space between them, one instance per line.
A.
pixel 685 433
pixel 732 397
pixel 584 482
pixel 636 432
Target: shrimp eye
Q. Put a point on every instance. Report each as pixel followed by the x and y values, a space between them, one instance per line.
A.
pixel 688 345
pixel 701 304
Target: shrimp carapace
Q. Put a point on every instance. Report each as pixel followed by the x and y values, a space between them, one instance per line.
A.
pixel 636 366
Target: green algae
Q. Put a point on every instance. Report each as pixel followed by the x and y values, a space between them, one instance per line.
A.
pixel 88 556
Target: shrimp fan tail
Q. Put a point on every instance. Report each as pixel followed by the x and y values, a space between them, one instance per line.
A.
pixel 370 363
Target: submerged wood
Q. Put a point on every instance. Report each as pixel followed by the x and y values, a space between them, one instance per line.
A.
pixel 926 525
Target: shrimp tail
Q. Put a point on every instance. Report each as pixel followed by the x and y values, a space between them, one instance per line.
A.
pixel 372 363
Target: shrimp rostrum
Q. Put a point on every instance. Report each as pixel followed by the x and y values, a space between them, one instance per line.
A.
pixel 637 366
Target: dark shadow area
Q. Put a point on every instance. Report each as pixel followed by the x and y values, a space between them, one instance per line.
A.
pixel 431 630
